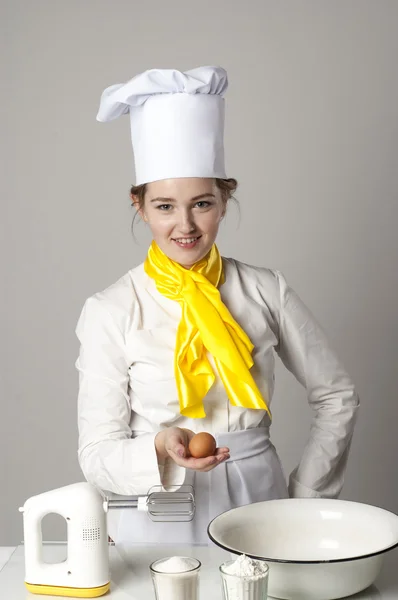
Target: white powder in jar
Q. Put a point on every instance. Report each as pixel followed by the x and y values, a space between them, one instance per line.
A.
pixel 176 564
pixel 176 578
pixel 244 566
pixel 245 579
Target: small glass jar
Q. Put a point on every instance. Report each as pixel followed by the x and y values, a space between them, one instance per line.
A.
pixel 183 585
pixel 244 587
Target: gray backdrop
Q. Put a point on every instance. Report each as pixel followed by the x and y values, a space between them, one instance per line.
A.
pixel 311 135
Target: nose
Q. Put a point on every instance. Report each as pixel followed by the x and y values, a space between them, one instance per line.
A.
pixel 186 223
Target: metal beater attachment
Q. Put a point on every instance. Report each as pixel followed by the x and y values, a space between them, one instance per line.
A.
pixel 174 503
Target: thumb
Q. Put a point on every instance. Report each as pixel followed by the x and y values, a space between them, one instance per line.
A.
pixel 180 450
pixel 177 446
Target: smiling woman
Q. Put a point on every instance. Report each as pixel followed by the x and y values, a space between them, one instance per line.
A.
pixel 184 214
pixel 185 342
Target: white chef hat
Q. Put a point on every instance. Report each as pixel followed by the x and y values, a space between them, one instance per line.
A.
pixel 177 121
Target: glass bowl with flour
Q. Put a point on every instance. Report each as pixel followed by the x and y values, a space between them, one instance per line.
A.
pixel 176 578
pixel 244 579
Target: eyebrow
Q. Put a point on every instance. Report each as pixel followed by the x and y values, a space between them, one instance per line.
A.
pixel 194 199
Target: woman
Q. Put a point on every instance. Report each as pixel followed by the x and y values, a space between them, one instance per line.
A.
pixel 185 342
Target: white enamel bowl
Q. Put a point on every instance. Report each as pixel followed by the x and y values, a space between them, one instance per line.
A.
pixel 317 549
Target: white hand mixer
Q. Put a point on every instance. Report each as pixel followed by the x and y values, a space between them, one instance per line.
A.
pixel 85 572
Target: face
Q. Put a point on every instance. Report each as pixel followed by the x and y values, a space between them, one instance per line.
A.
pixel 184 216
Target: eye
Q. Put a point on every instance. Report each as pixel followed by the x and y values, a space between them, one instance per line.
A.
pixel 203 204
pixel 164 207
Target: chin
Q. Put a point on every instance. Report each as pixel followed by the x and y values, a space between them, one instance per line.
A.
pixel 183 257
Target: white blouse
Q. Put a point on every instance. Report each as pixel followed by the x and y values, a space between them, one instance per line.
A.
pixel 128 393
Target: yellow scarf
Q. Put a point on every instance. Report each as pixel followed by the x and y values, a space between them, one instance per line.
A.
pixel 206 324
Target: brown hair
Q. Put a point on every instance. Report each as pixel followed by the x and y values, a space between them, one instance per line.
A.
pixel 226 186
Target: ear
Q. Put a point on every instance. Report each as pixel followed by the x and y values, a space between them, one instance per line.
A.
pixel 135 202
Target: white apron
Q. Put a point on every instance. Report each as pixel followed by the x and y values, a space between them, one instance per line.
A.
pixel 252 474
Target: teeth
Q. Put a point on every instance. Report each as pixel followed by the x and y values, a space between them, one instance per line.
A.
pixel 186 240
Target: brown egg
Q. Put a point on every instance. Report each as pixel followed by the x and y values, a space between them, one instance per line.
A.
pixel 202 445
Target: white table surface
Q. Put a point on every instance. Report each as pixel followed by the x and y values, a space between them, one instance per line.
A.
pixel 131 579
pixel 5 553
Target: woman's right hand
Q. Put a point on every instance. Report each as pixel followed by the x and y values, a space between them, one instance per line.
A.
pixel 173 442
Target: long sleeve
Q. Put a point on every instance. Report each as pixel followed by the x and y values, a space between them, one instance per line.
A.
pixel 305 351
pixel 108 456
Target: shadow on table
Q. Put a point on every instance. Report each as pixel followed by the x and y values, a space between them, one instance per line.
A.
pixel 371 593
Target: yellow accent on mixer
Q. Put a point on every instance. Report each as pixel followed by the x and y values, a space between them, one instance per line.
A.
pixel 70 592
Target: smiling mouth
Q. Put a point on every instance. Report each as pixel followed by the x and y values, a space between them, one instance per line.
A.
pixel 187 243
pixel 187 240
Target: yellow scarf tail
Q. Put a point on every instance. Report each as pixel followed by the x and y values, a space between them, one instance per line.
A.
pixel 206 325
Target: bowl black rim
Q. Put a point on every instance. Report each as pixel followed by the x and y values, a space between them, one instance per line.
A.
pixel 302 562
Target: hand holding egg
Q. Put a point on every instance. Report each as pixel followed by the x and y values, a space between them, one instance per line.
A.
pixel 189 450
pixel 204 454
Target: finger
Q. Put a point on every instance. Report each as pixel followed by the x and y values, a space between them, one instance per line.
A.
pixel 223 450
pixel 220 459
pixel 177 444
pixel 198 464
pixel 210 464
pixel 189 433
pixel 178 449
